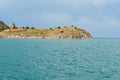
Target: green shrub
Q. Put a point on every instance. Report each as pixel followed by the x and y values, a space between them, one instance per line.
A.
pixel 58 27
pixel 32 28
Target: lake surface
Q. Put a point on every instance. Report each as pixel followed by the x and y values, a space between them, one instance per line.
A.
pixel 59 59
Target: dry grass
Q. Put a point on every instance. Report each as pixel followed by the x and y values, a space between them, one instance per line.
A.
pixel 70 32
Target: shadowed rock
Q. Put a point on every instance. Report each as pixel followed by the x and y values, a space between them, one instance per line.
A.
pixel 3 26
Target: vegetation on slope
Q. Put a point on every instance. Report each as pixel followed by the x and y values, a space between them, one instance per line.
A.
pixel 3 26
pixel 65 32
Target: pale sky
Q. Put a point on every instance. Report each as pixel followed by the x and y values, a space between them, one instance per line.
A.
pixel 99 17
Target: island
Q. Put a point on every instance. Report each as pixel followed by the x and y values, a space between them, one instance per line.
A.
pixel 66 32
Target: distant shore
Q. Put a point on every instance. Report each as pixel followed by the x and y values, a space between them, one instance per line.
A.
pixel 71 32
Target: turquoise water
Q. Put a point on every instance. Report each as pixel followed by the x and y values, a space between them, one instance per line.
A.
pixel 59 59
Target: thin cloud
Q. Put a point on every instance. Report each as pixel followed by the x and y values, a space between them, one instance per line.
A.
pixel 80 2
pixel 105 27
pixel 6 3
pixel 62 2
pixel 53 18
pixel 106 21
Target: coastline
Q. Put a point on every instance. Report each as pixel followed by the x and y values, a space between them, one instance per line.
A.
pixel 57 33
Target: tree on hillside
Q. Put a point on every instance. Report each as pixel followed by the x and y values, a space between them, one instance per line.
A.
pixel 27 27
pixel 51 28
pixel 32 28
pixel 58 27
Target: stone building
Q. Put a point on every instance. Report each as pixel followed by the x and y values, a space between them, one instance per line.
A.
pixel 12 26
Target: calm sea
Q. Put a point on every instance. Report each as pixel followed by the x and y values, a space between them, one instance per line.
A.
pixel 59 59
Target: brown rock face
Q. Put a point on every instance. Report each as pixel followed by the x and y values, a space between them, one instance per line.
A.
pixel 12 26
pixel 3 26
pixel 70 33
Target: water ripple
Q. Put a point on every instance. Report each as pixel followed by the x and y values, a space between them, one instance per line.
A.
pixel 42 59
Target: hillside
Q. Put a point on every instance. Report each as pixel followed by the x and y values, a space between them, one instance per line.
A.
pixel 3 26
pixel 71 32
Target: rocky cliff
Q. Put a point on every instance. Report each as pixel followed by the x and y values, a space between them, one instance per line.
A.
pixel 3 26
pixel 70 32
